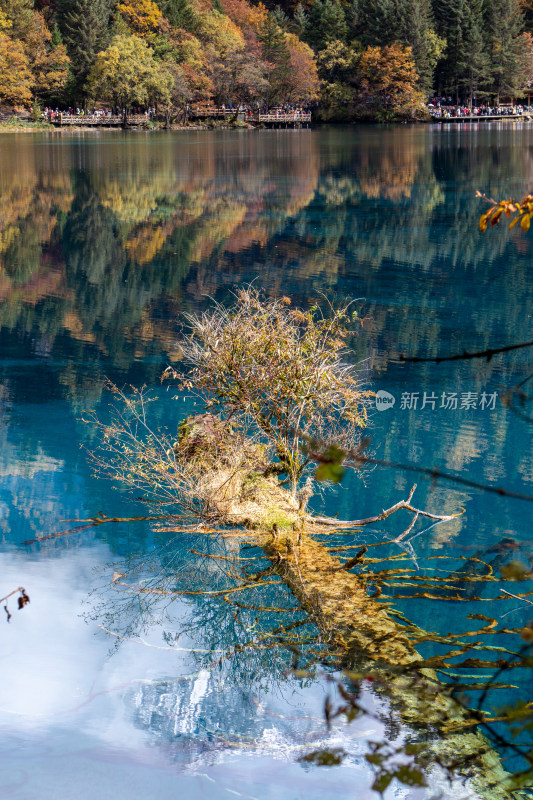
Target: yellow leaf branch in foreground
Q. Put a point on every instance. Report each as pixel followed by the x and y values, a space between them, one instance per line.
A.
pixel 522 210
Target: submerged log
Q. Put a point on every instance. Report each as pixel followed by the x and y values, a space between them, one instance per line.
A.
pixel 361 630
pixel 369 640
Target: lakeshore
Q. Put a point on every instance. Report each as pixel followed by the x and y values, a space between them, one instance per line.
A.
pixel 45 127
pixel 219 119
pixel 222 122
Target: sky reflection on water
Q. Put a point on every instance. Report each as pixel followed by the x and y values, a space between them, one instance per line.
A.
pixel 104 241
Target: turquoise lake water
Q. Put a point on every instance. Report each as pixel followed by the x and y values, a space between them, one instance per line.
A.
pixel 105 240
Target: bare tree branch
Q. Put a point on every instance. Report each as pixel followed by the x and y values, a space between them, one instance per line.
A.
pixel 337 523
pixel 20 589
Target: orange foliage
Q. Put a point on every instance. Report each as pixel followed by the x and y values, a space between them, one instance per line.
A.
pixel 389 76
pixel 526 6
pixel 392 174
pixel 303 83
pixel 49 66
pixel 248 18
pixel 15 75
pixel 193 61
pixel 523 211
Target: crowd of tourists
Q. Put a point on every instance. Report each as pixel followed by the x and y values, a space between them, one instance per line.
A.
pixel 446 109
pixel 286 109
pixel 100 114
pixel 92 114
pixel 248 110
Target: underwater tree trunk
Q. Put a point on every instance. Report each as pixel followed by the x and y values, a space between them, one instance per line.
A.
pixel 367 638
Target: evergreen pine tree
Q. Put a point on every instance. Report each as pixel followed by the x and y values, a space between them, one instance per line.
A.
pixel 57 39
pixel 474 65
pixel 84 25
pixel 375 22
pixel 415 26
pixel 505 23
pixel 450 17
pixel 179 13
pixel 326 22
pixel 299 21
pixel 281 18
pixel 277 57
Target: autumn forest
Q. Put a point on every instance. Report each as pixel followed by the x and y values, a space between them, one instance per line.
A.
pixel 346 59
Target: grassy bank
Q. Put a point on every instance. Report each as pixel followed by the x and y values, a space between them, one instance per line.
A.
pixel 16 125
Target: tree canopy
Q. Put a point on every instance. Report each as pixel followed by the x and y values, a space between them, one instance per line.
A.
pixel 126 74
pixel 388 78
pixel 15 75
pixel 239 51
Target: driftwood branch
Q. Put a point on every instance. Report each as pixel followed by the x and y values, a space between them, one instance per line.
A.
pixel 516 597
pixel 15 591
pixel 355 523
pixel 309 518
pixel 93 522
pixel 408 529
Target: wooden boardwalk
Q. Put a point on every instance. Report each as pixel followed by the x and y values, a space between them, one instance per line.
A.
pixel 272 118
pixel 481 118
pixel 96 120
pixel 292 119
pixel 206 112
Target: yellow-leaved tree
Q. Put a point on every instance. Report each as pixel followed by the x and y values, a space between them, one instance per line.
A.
pixel 29 46
pixel 49 65
pixel 127 74
pixel 219 31
pixel 141 16
pixel 15 76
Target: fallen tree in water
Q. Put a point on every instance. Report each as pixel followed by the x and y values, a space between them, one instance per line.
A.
pixel 371 640
pixel 270 379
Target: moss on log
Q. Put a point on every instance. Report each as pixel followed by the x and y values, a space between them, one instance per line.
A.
pixel 361 630
pixel 368 639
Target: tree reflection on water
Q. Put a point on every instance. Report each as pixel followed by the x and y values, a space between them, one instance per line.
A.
pixel 102 247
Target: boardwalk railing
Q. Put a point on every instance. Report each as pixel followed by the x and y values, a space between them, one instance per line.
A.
pixel 290 117
pixel 272 117
pixel 480 118
pixel 95 120
pixel 205 113
pixel 117 120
